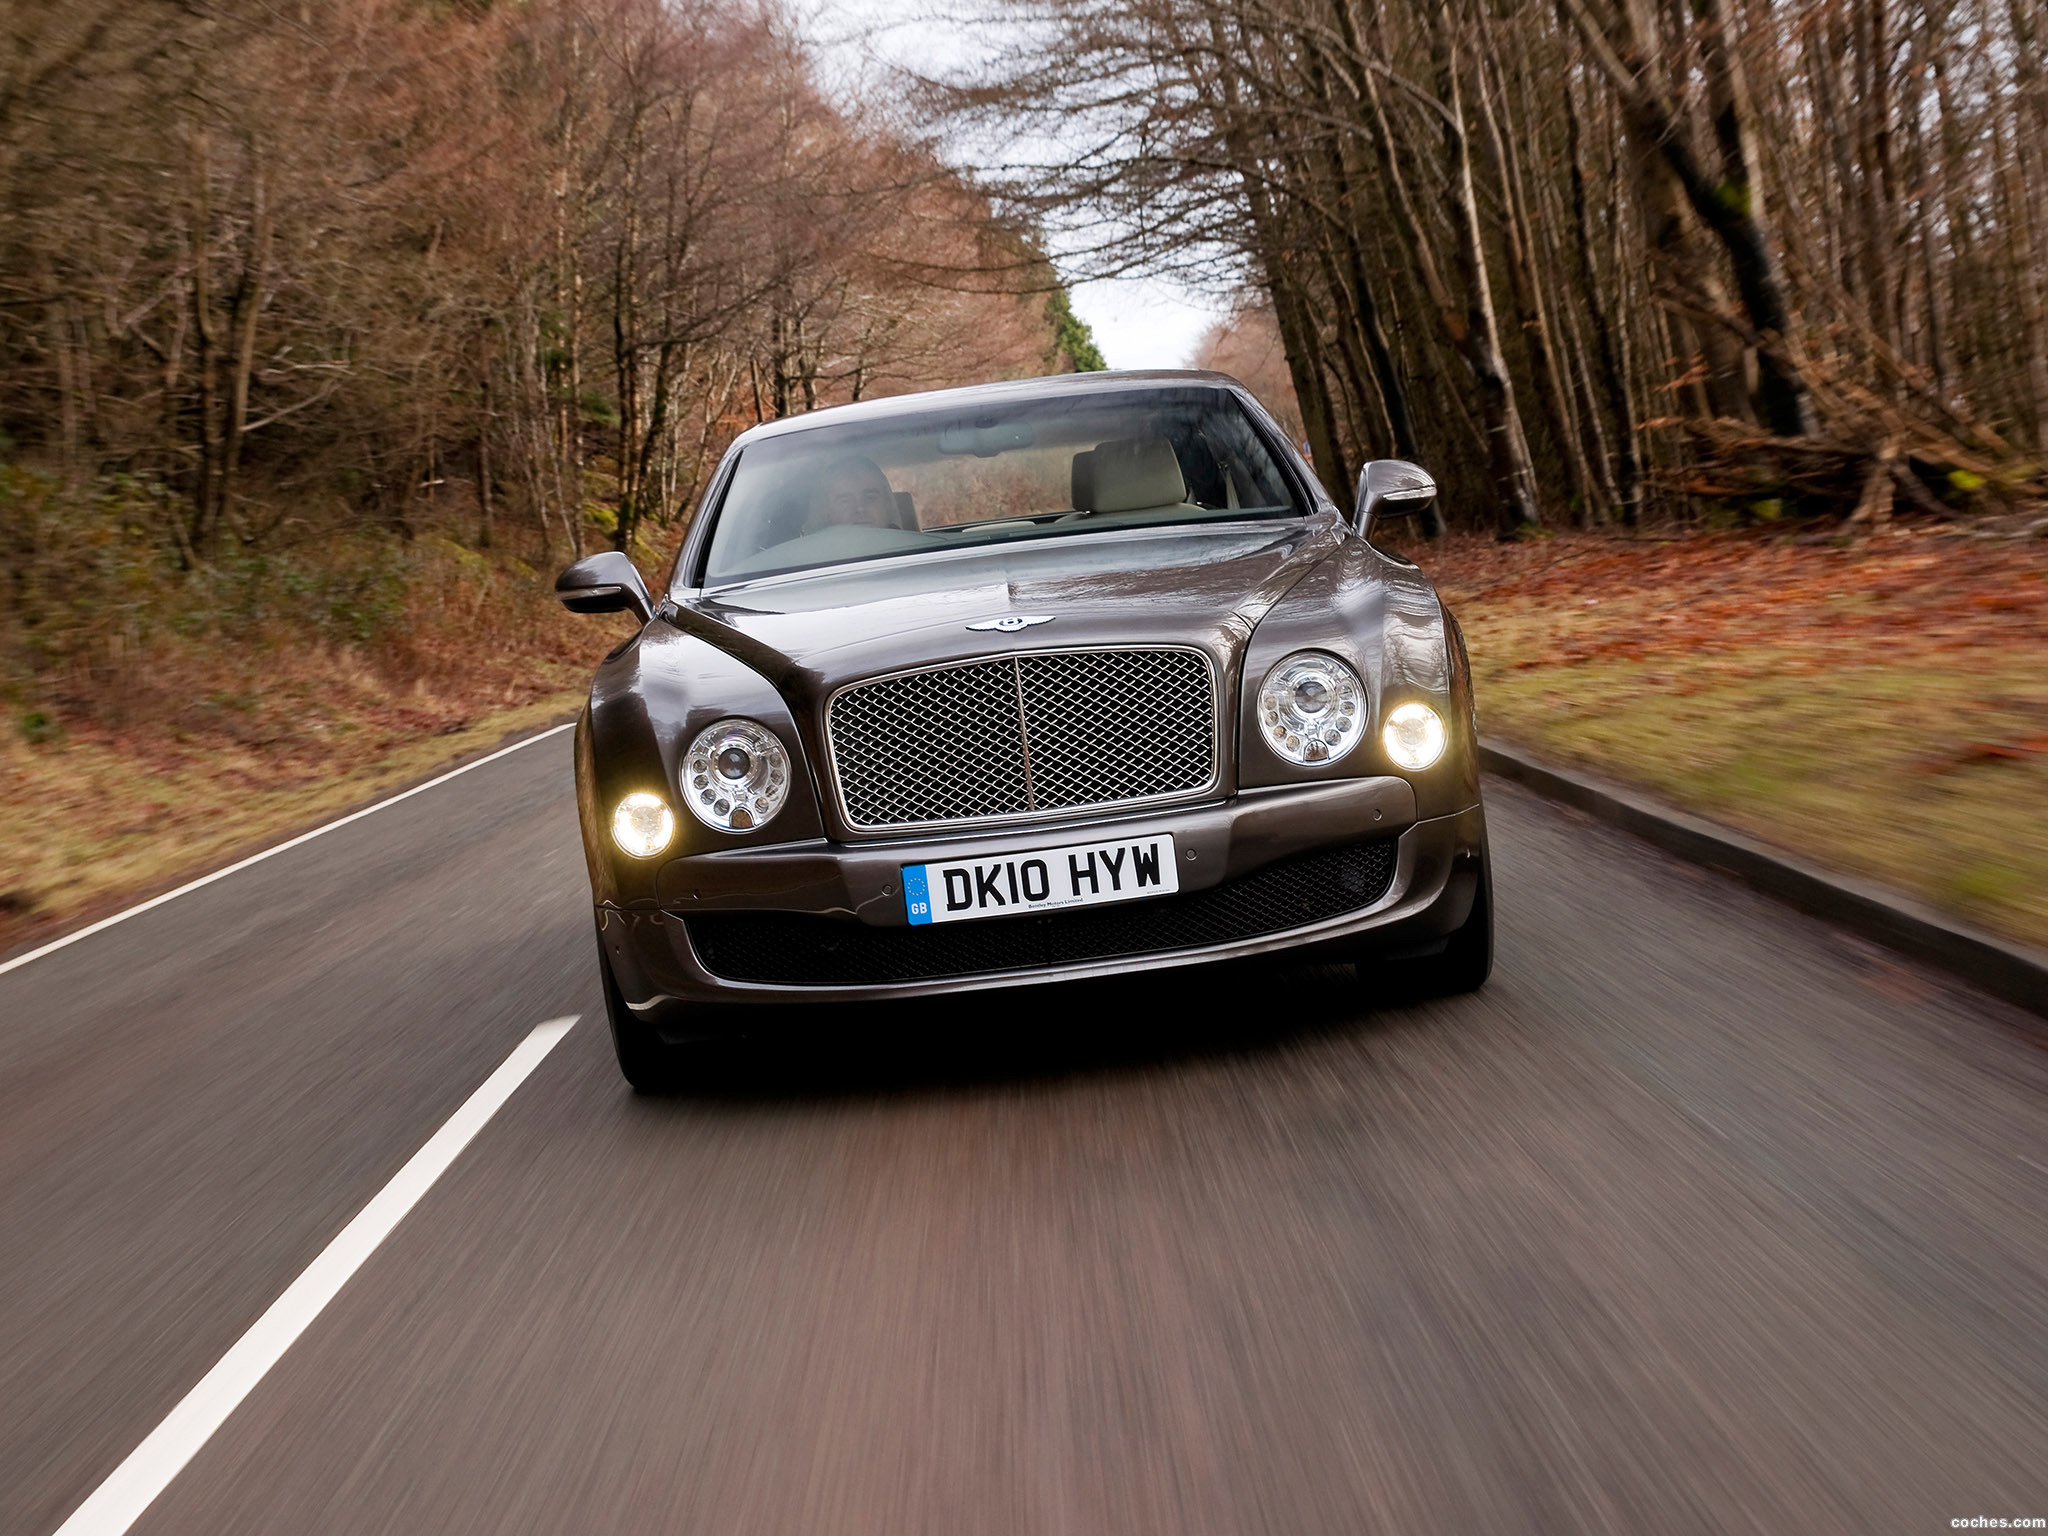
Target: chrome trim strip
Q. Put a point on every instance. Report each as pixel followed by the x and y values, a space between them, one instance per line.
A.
pixel 1023 731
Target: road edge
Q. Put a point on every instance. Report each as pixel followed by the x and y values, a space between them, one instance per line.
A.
pixel 99 915
pixel 2014 972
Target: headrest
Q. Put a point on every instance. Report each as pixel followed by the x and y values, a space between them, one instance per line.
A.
pixel 1134 472
pixel 1084 480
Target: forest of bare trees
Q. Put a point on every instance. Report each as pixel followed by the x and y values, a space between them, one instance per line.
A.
pixel 285 288
pixel 1592 260
pixel 283 285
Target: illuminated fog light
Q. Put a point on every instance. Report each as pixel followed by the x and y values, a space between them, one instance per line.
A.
pixel 739 772
pixel 1414 736
pixel 1307 703
pixel 643 824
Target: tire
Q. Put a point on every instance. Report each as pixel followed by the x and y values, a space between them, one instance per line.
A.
pixel 647 1061
pixel 1467 960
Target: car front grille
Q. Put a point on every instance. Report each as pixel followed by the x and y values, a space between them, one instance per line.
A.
pixel 1043 731
pixel 794 949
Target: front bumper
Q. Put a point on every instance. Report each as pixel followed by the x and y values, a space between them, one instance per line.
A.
pixel 662 975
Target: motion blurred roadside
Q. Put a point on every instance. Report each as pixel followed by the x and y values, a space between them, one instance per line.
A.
pixel 329 333
pixel 327 336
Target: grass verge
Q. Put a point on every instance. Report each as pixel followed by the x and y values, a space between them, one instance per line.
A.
pixel 1880 707
pixel 90 828
pixel 188 718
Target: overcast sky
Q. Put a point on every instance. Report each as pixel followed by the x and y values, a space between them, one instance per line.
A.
pixel 1141 323
pixel 1138 322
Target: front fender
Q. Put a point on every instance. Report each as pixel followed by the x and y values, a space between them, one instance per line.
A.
pixel 1384 619
pixel 646 704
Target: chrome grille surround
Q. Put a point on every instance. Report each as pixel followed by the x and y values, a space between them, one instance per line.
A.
pixel 1024 736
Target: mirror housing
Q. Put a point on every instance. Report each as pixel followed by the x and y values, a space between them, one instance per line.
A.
pixel 1392 488
pixel 604 583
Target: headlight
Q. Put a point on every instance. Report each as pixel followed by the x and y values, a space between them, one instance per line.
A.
pixel 735 776
pixel 643 824
pixel 1311 707
pixel 1414 736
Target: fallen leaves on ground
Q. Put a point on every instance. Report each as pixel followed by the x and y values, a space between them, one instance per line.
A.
pixel 1880 703
pixel 1931 590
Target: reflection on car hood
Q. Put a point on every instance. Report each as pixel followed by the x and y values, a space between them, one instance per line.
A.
pixel 1207 585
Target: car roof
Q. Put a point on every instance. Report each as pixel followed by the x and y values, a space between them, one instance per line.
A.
pixel 1005 392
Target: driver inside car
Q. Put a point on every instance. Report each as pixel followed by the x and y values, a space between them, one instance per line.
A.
pixel 853 492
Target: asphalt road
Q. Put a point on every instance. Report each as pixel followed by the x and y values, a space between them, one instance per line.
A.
pixel 1700 1218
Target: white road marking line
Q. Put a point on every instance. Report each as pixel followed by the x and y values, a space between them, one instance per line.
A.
pixel 133 1486
pixel 269 853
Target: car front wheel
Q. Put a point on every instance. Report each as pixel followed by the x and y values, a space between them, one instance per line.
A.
pixel 1467 959
pixel 648 1062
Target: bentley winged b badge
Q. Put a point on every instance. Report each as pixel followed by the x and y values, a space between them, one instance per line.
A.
pixel 1010 623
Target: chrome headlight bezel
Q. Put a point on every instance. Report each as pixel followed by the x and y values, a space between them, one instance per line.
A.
pixel 735 775
pixel 1311 709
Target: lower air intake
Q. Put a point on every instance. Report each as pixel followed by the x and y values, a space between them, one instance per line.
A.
pixel 794 949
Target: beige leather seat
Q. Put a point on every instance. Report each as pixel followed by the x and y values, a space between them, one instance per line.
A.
pixel 1128 474
pixel 1083 480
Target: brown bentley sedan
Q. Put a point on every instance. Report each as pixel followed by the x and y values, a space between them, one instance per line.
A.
pixel 997 686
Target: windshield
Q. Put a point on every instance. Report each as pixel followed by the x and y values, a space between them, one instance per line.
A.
pixel 1042 468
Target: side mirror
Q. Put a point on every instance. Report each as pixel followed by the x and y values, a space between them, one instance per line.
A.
pixel 1392 488
pixel 606 583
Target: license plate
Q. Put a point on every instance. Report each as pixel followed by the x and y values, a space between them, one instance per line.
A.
pixel 1077 875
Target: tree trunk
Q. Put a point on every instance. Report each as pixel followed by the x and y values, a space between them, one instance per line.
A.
pixel 1379 354
pixel 1627 471
pixel 1730 208
pixel 1364 409
pixel 483 461
pixel 1298 339
pixel 569 304
pixel 1514 475
pixel 1470 327
pixel 206 346
pixel 1311 388
pixel 244 312
pixel 1525 286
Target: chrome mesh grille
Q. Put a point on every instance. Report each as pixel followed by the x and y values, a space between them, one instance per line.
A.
pixel 1028 733
pixel 933 746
